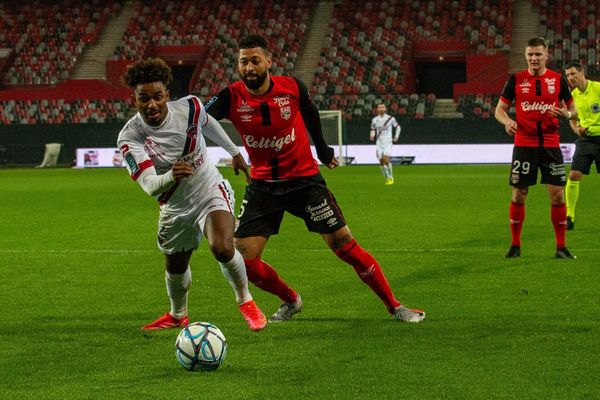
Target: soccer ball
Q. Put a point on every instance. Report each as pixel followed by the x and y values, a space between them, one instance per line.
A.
pixel 200 346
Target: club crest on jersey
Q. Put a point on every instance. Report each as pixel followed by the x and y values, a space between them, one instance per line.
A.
pixel 551 83
pixel 286 112
pixel 514 178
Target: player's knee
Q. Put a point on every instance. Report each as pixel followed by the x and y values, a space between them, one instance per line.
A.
pixel 222 251
pixel 519 195
pixel 557 197
pixel 575 175
pixel 177 263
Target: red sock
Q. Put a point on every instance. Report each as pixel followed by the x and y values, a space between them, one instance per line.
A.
pixel 265 277
pixel 517 216
pixel 558 215
pixel 369 272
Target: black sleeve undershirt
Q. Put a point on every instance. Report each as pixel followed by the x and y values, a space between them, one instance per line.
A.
pixel 218 106
pixel 310 115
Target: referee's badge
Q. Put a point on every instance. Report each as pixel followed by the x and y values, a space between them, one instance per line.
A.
pixel 514 178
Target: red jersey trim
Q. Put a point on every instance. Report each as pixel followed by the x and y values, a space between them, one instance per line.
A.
pixel 142 167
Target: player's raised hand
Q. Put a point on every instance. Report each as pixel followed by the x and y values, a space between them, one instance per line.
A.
pixel 238 163
pixel 181 170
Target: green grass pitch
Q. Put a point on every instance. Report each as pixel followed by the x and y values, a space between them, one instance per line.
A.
pixel 80 273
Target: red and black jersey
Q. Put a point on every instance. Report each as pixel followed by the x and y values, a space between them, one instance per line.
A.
pixel 273 127
pixel 534 96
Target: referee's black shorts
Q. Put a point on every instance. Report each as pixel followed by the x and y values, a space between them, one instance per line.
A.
pixel 587 151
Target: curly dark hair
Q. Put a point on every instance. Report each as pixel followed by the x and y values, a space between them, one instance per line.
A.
pixel 252 41
pixel 147 71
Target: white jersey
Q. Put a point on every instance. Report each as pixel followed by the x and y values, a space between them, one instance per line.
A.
pixel 383 126
pixel 178 137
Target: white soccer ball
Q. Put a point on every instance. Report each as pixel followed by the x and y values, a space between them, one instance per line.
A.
pixel 200 346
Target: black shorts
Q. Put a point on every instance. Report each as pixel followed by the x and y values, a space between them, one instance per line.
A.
pixel 527 160
pixel 587 151
pixel 308 198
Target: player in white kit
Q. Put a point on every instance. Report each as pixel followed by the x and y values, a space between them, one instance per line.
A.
pixel 165 152
pixel 381 133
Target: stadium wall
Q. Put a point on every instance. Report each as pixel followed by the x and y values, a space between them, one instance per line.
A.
pixel 24 145
pixel 443 131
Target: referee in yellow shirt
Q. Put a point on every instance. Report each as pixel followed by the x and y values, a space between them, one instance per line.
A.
pixel 586 94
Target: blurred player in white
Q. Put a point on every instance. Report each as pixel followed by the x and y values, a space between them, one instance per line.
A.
pixel 381 132
pixel 165 152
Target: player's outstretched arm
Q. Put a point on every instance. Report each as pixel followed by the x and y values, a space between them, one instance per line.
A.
pixel 238 163
pixel 397 131
pixel 310 115
pixel 215 132
pixel 501 114
pixel 154 184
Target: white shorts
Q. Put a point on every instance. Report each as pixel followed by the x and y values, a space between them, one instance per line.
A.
pixel 179 232
pixel 384 150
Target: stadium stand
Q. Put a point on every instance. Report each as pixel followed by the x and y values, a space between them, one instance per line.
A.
pixel 370 45
pixel 57 111
pixel 357 106
pixel 366 58
pixel 218 25
pixel 570 27
pixel 478 105
pixel 373 40
pixel 48 37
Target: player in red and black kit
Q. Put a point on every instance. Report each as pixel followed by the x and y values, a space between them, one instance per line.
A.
pixel 274 116
pixel 540 96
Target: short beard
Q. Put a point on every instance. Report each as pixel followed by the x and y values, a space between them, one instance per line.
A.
pixel 257 83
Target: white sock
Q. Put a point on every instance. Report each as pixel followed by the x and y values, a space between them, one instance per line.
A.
pixel 383 171
pixel 178 286
pixel 235 272
pixel 390 171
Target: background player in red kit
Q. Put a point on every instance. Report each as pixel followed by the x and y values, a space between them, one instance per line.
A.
pixel 540 96
pixel 274 115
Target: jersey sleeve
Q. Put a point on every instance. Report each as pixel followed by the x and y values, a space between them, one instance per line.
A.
pixel 508 93
pixel 203 119
pixel 310 115
pixel 565 93
pixel 395 123
pixel 218 106
pixel 132 148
